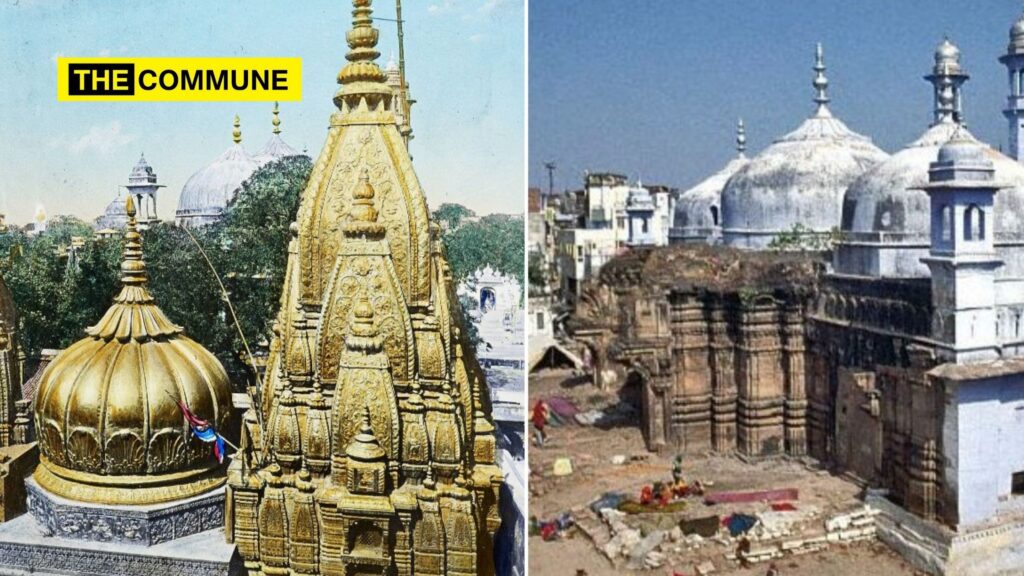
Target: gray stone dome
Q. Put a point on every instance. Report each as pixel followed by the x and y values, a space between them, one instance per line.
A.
pixel 887 219
pixel 799 180
pixel 114 216
pixel 207 193
pixel 698 214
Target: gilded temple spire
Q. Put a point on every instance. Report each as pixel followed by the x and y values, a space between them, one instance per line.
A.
pixel 277 119
pixel 362 79
pixel 134 314
pixel 236 134
pixel 133 268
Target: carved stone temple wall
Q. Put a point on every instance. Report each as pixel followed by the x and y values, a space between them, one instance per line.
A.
pixel 765 354
pixel 372 447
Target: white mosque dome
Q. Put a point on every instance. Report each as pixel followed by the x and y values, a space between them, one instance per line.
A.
pixel 698 212
pixel 798 180
pixel 887 218
pixel 275 148
pixel 208 192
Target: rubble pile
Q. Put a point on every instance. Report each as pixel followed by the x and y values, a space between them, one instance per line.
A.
pixel 640 543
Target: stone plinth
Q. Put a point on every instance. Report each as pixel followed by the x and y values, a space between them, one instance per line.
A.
pixel 16 463
pixel 25 550
pixel 138 525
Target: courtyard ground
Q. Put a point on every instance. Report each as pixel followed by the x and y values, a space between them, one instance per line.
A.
pixel 611 457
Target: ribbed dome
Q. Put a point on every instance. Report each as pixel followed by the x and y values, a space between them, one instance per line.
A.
pixel 109 428
pixel 799 179
pixel 698 210
pixel 275 149
pixel 208 192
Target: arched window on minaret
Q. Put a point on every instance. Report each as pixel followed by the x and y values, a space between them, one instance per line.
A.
pixel 714 215
pixel 974 223
pixel 947 223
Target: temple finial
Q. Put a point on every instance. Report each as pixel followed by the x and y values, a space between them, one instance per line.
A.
pixel 741 137
pixel 236 134
pixel 361 78
pixel 820 81
pixel 133 269
pixel 277 120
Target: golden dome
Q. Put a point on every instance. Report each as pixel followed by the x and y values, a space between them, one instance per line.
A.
pixel 109 428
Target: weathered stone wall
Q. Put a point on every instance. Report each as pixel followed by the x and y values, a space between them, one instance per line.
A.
pixel 739 352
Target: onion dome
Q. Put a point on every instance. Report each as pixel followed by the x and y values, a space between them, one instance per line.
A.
pixel 799 180
pixel 207 193
pixel 109 428
pixel 275 148
pixel 698 213
pixel 947 58
pixel 1016 45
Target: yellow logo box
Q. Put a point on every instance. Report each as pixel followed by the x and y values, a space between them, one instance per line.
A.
pixel 102 79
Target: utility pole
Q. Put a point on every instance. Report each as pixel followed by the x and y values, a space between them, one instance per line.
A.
pixel 407 129
pixel 550 167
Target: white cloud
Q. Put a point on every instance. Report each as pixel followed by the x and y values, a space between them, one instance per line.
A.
pixel 491 5
pixel 102 139
pixel 477 38
pixel 104 52
pixel 442 6
pixel 55 56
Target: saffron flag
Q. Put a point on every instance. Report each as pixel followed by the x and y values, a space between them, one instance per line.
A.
pixel 203 430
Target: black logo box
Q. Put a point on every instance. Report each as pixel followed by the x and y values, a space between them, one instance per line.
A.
pixel 75 82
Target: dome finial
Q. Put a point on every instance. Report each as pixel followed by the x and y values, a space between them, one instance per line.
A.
pixel 820 81
pixel 236 134
pixel 133 268
pixel 947 78
pixel 741 137
pixel 277 120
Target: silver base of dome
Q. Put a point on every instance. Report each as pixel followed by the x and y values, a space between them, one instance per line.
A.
pixel 24 551
pixel 141 525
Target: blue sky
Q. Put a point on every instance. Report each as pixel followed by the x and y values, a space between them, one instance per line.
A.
pixel 464 66
pixel 653 89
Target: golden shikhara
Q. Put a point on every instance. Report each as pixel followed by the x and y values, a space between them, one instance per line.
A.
pixel 372 450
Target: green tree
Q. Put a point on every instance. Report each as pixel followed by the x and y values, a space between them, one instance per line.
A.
pixel 450 216
pixel 255 242
pixel 495 240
